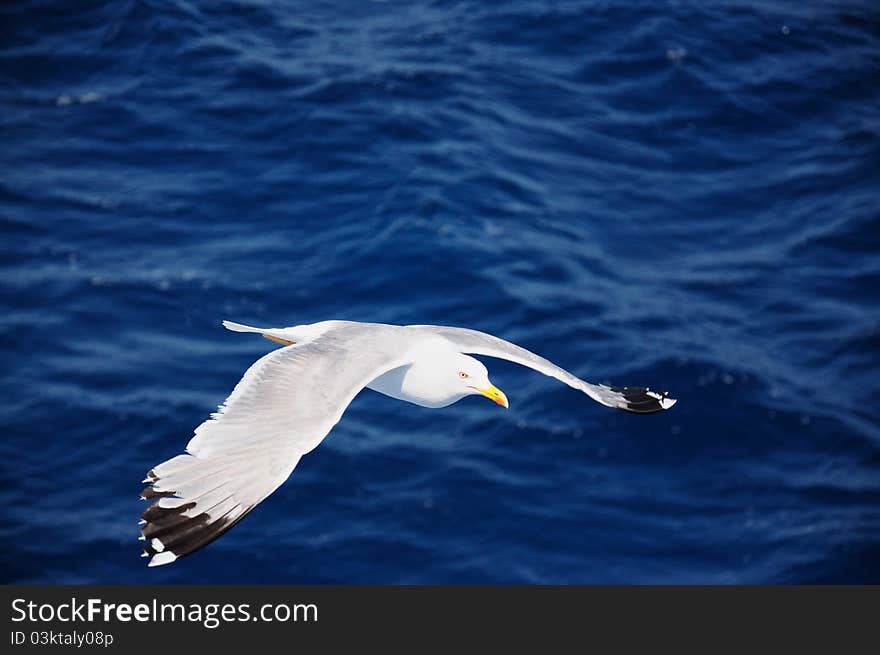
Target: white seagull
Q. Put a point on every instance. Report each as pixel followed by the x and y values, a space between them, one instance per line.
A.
pixel 290 399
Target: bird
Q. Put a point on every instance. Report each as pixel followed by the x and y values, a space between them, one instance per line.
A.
pixel 290 399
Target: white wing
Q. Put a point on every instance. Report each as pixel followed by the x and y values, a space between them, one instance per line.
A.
pixel 284 406
pixel 639 400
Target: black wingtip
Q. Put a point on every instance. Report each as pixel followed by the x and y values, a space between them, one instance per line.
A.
pixel 172 532
pixel 641 400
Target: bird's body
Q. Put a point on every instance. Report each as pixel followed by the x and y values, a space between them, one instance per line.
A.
pixel 416 382
pixel 290 399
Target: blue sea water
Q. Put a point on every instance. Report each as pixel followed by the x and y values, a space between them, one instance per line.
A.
pixel 684 195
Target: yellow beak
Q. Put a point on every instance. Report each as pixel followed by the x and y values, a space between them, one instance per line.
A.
pixel 494 393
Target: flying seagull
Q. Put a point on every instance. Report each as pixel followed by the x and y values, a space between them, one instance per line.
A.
pixel 290 399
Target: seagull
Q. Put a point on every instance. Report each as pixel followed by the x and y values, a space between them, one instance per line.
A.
pixel 290 399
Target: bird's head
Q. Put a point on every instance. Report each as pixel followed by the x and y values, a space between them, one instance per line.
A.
pixel 471 377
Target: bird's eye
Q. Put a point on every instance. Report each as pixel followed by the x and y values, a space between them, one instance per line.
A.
pixel 463 375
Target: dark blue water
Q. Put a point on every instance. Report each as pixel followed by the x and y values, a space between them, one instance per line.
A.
pixel 675 195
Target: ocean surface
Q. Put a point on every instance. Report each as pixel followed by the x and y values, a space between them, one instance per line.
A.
pixel 682 195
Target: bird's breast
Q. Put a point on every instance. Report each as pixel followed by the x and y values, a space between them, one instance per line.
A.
pixel 411 384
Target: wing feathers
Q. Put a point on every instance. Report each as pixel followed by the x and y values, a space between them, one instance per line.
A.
pixel 638 400
pixel 282 408
pixel 204 510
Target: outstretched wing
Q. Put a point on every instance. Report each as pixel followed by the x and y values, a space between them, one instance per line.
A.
pixel 283 406
pixel 639 400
